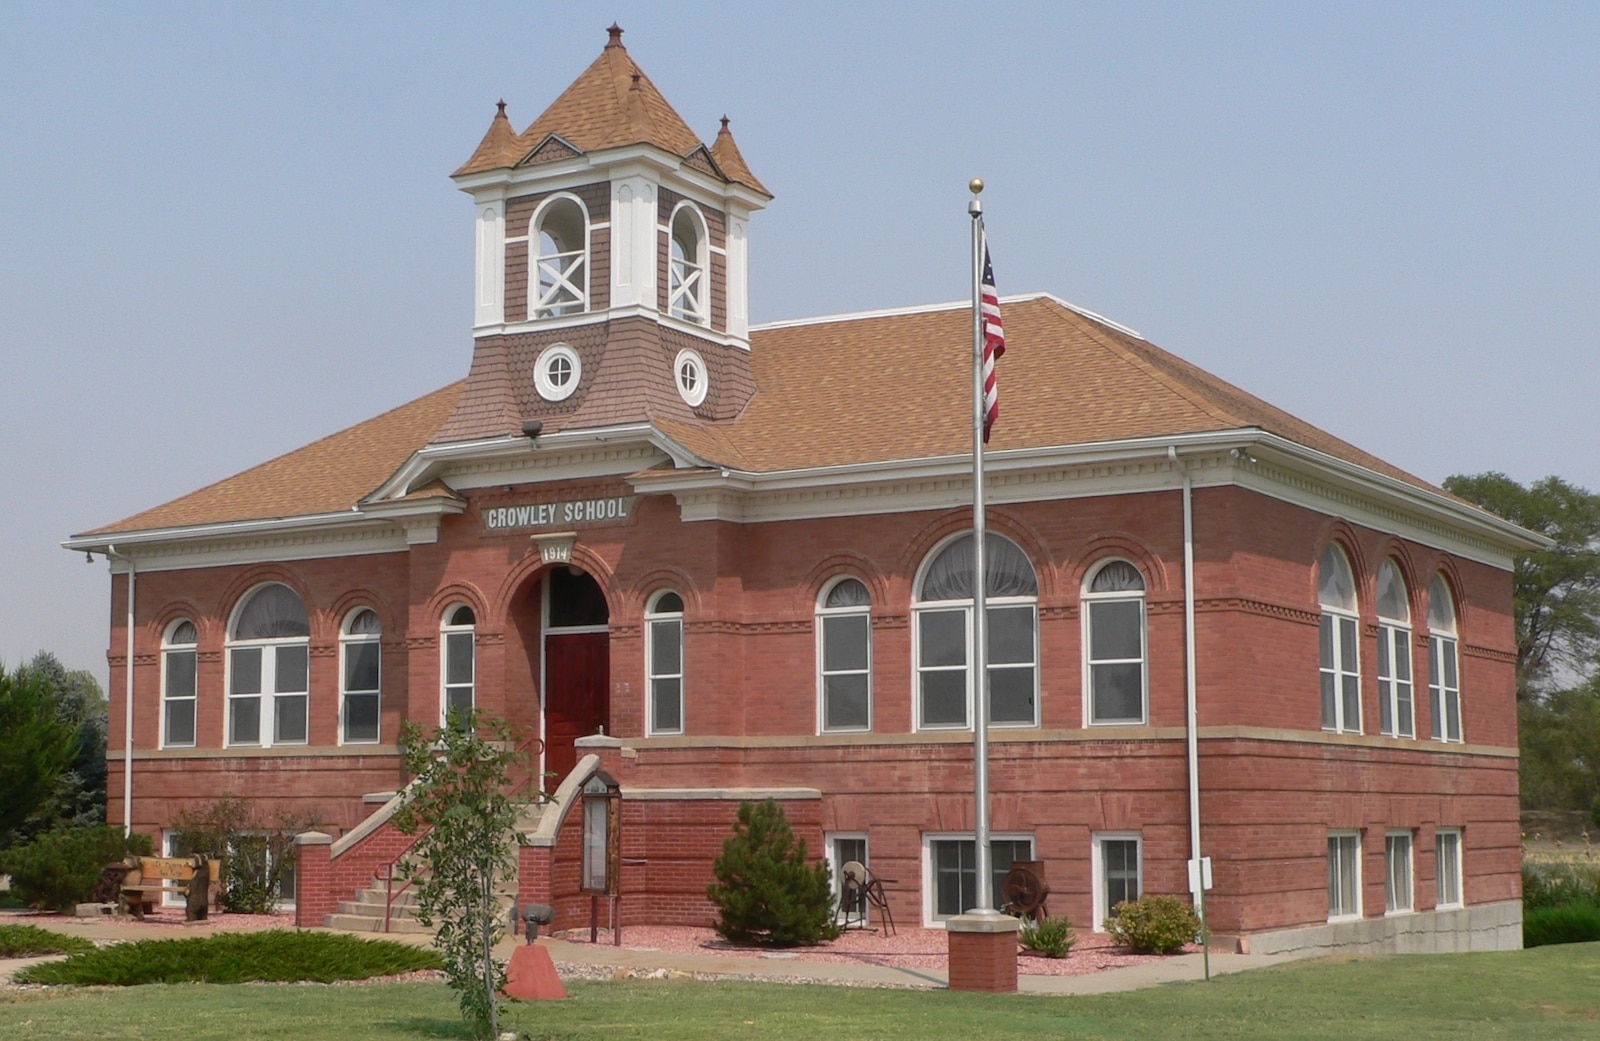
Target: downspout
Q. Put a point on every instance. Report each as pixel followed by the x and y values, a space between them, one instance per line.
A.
pixel 1191 720
pixel 127 703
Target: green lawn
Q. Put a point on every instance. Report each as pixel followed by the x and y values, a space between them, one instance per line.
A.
pixel 1547 994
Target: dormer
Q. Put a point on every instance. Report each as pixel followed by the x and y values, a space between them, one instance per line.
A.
pixel 609 206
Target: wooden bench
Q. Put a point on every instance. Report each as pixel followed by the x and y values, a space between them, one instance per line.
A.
pixel 150 877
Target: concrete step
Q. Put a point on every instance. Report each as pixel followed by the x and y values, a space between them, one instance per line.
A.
pixel 361 923
pixel 374 908
pixel 380 896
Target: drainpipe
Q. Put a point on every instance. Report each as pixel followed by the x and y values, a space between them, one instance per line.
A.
pixel 127 703
pixel 1191 721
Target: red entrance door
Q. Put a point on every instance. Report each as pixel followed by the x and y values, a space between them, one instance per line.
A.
pixel 577 683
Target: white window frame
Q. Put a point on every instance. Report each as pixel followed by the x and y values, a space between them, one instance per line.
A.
pixel 559 266
pixel 836 868
pixel 992 604
pixel 929 875
pixel 170 650
pixel 689 280
pixel 1399 872
pixel 446 629
pixel 267 697
pixel 169 847
pixel 656 623
pixel 348 639
pixel 1346 862
pixel 823 613
pixel 1143 661
pixel 1097 871
pixel 1397 700
pixel 693 394
pixel 548 388
pixel 1442 642
pixel 1344 633
pixel 1455 872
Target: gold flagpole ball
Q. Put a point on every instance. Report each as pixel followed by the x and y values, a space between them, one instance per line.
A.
pixel 976 184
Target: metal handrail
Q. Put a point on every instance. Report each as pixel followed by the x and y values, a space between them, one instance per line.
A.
pixel 388 877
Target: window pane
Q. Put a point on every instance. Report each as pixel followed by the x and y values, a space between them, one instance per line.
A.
pixel 1402 654
pixel 849 593
pixel 1325 639
pixel 244 674
pixel 458 658
pixel 1352 703
pixel 1452 716
pixel 1118 692
pixel 666 705
pixel 666 648
pixel 1347 644
pixel 845 701
pixel 1449 843
pixel 1330 709
pixel 576 599
pixel 361 666
pixel 1385 634
pixel 1120 867
pixel 1002 854
pixel 1011 695
pixel 457 700
pixel 361 717
pixel 1114 630
pixel 180 722
pixel 244 721
pixel 290 674
pixel 955 874
pixel 289 719
pixel 1450 679
pixel 273 612
pixel 670 603
pixel 844 642
pixel 1010 635
pixel 943 637
pixel 184 633
pixel 944 698
pixel 1405 726
pixel 180 674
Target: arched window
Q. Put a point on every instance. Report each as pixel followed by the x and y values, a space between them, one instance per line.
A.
pixel 178 652
pixel 687 265
pixel 1114 634
pixel 943 635
pixel 362 677
pixel 844 656
pixel 1341 676
pixel 664 662
pixel 269 650
pixel 1395 714
pixel 1444 680
pixel 457 639
pixel 559 240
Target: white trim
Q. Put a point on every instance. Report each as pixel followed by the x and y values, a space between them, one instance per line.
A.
pixel 953 305
pixel 267 697
pixel 1342 834
pixel 830 856
pixel 654 616
pixel 543 382
pixel 1460 868
pixel 170 648
pixel 446 630
pixel 929 876
pixel 694 396
pixel 1086 624
pixel 822 612
pixel 346 640
pixel 1097 871
pixel 1393 835
pixel 537 310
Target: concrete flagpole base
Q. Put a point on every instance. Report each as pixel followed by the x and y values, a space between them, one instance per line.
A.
pixel 983 952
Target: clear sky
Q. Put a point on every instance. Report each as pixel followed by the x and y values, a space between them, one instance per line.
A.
pixel 228 229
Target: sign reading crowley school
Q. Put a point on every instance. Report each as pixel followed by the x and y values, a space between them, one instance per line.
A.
pixel 545 514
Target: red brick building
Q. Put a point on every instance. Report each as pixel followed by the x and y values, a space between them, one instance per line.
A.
pixel 750 568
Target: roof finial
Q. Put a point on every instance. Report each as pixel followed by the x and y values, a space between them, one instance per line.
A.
pixel 616 35
pixel 724 123
pixel 501 105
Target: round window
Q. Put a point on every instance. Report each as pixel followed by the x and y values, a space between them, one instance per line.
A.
pixel 690 371
pixel 556 373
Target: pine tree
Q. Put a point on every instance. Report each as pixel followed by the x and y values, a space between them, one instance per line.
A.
pixel 765 890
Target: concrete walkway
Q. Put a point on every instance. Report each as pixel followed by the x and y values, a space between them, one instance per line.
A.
pixel 791 970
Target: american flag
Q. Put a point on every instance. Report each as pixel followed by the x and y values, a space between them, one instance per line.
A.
pixel 994 345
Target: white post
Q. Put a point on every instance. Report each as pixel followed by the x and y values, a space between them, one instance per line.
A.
pixel 127 704
pixel 980 620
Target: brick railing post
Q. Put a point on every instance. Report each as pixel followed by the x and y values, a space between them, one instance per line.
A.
pixel 983 952
pixel 313 887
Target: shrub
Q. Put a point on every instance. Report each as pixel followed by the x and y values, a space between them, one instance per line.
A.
pixel 1558 884
pixel 765 890
pixel 257 854
pixel 1153 924
pixel 27 941
pixel 1052 937
pixel 59 868
pixel 275 955
pixel 1564 923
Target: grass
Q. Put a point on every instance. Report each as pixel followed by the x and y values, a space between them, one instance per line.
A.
pixel 28 941
pixel 1549 994
pixel 277 955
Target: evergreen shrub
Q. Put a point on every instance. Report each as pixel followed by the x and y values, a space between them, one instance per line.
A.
pixel 1154 924
pixel 58 870
pixel 765 891
pixel 1052 936
pixel 1577 922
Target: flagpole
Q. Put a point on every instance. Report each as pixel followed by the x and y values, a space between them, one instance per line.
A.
pixel 980 619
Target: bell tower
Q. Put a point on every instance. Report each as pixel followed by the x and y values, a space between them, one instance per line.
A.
pixel 611 262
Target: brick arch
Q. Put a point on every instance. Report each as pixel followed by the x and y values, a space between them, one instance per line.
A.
pixel 266 574
pixel 454 592
pixel 531 566
pixel 1338 531
pixel 1391 548
pixel 182 607
pixel 1446 565
pixel 352 599
pixel 840 565
pixel 1118 545
pixel 653 582
pixel 940 530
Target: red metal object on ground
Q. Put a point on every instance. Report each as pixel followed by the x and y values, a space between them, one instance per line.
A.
pixel 531 976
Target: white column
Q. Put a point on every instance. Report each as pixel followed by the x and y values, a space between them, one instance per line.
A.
pixel 489 300
pixel 633 243
pixel 738 255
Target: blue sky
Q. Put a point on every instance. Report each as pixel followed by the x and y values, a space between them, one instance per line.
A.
pixel 228 229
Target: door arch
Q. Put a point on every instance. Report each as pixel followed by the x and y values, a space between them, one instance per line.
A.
pixel 575 665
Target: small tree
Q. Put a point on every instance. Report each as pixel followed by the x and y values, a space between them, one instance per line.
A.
pixel 40 745
pixel 257 854
pixel 766 891
pixel 461 803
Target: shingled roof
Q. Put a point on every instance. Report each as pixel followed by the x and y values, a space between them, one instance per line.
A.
pixel 610 105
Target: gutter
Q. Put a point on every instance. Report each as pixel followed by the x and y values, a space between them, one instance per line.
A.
pixel 1197 872
pixel 127 701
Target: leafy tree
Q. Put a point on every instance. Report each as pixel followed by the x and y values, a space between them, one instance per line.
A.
pixel 39 748
pixel 463 805
pixel 1557 590
pixel 765 890
pixel 81 796
pixel 256 852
